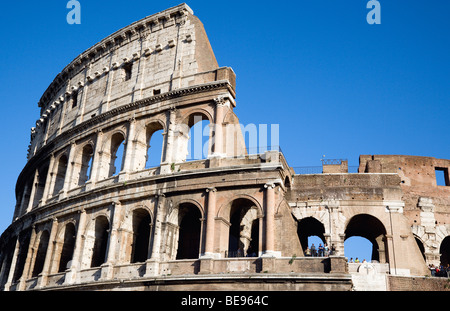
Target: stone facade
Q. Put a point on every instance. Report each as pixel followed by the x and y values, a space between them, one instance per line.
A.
pixel 84 220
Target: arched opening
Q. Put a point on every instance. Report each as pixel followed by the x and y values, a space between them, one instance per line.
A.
pixel 444 250
pixel 41 252
pixel 68 247
pixel 100 242
pixel 189 231
pixel 243 238
pixel 60 174
pixel 40 186
pixel 421 247
pixel 370 228
pixel 24 242
pixel 7 254
pixel 141 235
pixel 87 155
pixel 117 154
pixel 191 139
pixel 155 143
pixel 198 142
pixel 310 231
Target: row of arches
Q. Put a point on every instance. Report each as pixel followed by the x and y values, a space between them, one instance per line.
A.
pixel 44 252
pixel 364 235
pixel 106 155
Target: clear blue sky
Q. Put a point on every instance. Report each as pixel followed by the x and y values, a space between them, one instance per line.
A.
pixel 336 85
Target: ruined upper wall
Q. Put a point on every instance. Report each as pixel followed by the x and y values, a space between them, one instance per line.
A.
pixel 414 170
pixel 158 54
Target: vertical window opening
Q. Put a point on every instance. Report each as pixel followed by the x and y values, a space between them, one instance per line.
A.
pixel 442 178
pixel 127 69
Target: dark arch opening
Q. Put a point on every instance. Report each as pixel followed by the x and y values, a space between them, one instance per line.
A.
pixel 309 227
pixel 444 250
pixel 101 241
pixel 41 252
pixel 189 231
pixel 24 242
pixel 60 174
pixel 117 154
pixel 68 247
pixel 370 228
pixel 86 164
pixel 421 248
pixel 141 235
pixel 243 237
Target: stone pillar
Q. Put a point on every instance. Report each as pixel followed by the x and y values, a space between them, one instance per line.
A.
pixel 128 161
pixel 221 103
pixel 152 264
pixel 33 191
pixel 270 219
pixel 49 181
pixel 108 267
pixel 48 254
pixel 12 268
pixel 169 143
pixel 210 222
pixel 73 272
pixel 27 266
pixel 96 161
pixel 69 171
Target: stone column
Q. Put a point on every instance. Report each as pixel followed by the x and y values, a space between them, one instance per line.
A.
pixel 210 222
pixel 108 267
pixel 221 103
pixel 49 184
pixel 127 167
pixel 33 191
pixel 75 266
pixel 169 143
pixel 12 268
pixel 48 254
pixel 270 220
pixel 96 161
pixel 69 170
pixel 27 266
pixel 152 264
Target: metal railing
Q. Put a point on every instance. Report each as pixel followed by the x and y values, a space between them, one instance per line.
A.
pixel 304 170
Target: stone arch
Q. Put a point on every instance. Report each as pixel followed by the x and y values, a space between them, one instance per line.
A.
pixel 43 240
pixel 310 226
pixel 421 245
pixel 41 180
pixel 145 129
pixel 371 228
pixel 241 224
pixel 444 251
pixel 152 129
pixel 61 171
pixel 96 238
pixel 83 162
pixel 24 242
pixel 116 143
pixel 141 222
pixel 65 245
pixel 182 137
pixel 189 231
pixel 224 208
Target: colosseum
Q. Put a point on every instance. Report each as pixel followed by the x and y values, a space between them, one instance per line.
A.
pixel 91 214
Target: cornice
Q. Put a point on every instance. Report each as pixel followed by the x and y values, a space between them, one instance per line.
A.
pixel 172 16
pixel 102 118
